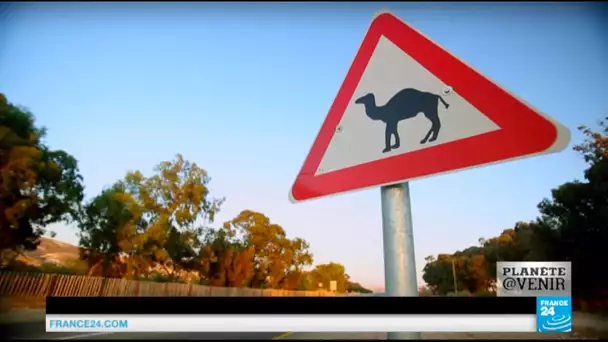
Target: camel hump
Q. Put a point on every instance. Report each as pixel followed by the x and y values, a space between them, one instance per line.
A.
pixel 409 95
pixel 409 91
pixel 412 93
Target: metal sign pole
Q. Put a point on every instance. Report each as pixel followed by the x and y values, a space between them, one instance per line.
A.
pixel 399 259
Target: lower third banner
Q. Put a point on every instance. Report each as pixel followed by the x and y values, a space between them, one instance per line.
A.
pixel 291 322
pixel 294 314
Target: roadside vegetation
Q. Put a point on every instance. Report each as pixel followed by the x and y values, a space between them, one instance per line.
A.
pixel 158 227
pixel 572 226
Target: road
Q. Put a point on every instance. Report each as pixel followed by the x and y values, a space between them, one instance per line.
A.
pixel 36 330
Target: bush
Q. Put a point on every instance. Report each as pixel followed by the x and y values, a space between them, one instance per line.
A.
pixel 159 278
pixel 77 267
pixel 20 266
pixel 425 292
pixel 164 278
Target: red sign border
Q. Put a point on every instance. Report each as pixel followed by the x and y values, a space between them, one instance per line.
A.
pixel 523 131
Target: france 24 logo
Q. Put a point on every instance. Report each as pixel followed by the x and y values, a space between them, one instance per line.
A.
pixel 554 314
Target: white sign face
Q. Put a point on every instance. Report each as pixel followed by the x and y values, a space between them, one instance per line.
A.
pixel 370 131
pixel 333 285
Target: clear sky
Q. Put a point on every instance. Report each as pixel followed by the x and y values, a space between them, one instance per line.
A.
pixel 242 90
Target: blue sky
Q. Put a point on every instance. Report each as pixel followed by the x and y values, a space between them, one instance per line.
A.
pixel 242 90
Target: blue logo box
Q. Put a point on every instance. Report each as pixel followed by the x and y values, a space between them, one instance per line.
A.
pixel 554 314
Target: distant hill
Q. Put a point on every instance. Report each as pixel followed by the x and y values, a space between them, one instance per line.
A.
pixel 51 251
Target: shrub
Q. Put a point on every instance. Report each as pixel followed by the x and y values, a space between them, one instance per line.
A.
pixel 77 267
pixel 425 292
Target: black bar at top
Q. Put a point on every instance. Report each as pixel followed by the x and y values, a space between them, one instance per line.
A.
pixel 291 305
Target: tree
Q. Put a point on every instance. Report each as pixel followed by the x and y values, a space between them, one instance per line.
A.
pixel 356 287
pixel 578 213
pixel 475 267
pixel 277 259
pixel 471 270
pixel 302 258
pixel 152 221
pixel 325 273
pixel 226 261
pixel 572 227
pixel 102 221
pixel 38 185
pixel 527 241
pixel 437 274
pixel 468 266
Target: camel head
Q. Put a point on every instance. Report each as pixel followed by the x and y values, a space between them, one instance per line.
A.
pixel 367 99
pixel 371 110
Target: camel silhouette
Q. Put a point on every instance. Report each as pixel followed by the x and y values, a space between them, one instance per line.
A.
pixel 405 104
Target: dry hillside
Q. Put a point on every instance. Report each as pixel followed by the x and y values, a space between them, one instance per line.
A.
pixel 51 251
pixel 59 253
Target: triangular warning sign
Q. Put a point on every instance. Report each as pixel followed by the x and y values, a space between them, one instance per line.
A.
pixel 409 109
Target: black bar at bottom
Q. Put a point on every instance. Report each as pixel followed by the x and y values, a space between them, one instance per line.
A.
pixel 291 305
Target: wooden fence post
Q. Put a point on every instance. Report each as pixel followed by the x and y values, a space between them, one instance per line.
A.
pixel 104 282
pixel 53 283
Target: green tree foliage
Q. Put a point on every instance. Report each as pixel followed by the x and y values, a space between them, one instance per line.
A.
pixel 572 226
pixel 277 260
pixel 578 213
pixel 145 222
pixel 155 227
pixel 322 275
pixel 158 228
pixel 38 185
pixel 325 273
pixel 356 287
pixel 101 224
pixel 74 267
pixel 226 260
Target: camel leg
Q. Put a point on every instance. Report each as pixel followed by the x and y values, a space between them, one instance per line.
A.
pixel 433 133
pixel 388 133
pixel 397 140
pixel 436 126
pixel 427 136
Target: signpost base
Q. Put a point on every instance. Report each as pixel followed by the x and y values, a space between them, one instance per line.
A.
pixel 399 259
